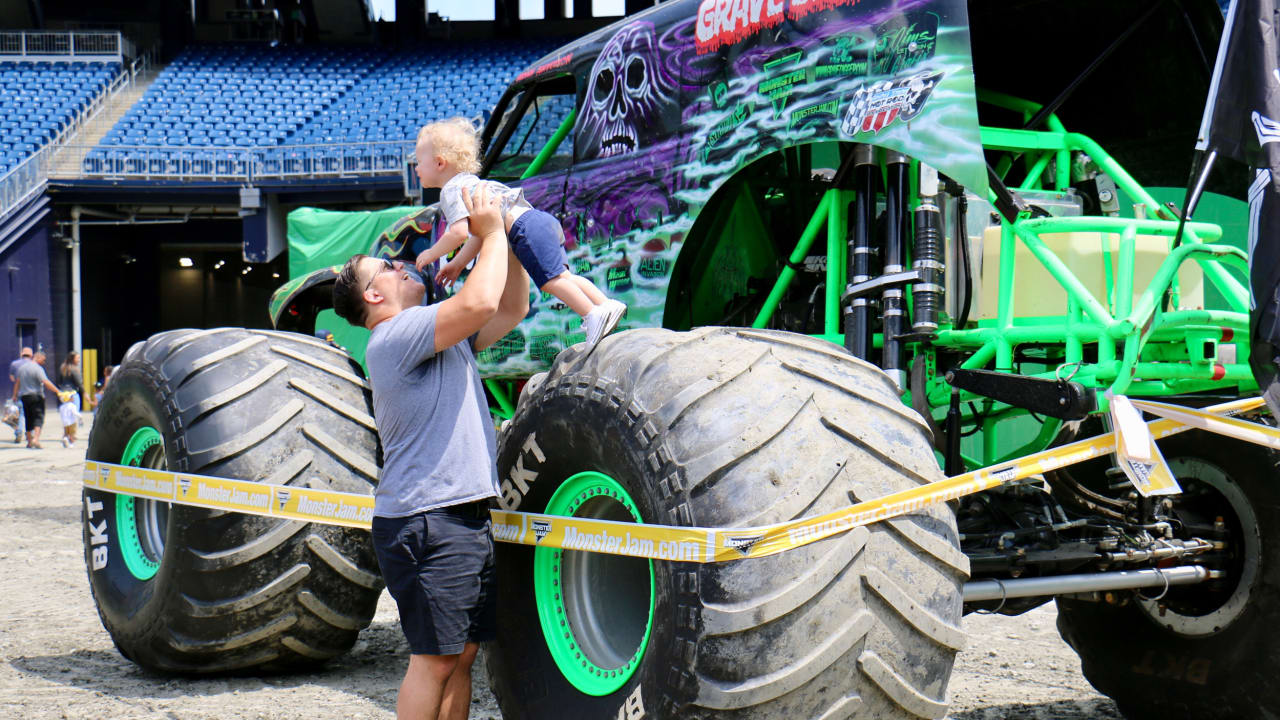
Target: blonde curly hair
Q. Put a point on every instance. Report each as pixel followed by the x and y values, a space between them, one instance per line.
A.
pixel 456 141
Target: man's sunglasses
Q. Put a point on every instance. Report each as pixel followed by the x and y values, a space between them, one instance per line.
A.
pixel 386 265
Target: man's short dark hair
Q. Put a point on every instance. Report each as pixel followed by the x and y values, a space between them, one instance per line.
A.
pixel 348 293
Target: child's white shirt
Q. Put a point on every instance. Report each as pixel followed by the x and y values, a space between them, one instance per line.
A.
pixel 451 197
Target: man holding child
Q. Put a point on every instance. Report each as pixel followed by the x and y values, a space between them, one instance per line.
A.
pixel 431 509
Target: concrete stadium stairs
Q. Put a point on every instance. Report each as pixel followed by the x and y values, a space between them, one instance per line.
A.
pixel 68 162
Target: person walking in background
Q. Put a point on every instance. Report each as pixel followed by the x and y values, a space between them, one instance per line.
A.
pixel 20 429
pixel 32 382
pixel 101 388
pixel 69 383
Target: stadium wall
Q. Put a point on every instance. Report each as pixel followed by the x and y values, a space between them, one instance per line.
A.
pixel 26 304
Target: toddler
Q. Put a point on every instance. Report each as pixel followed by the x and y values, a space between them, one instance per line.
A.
pixel 448 158
pixel 69 411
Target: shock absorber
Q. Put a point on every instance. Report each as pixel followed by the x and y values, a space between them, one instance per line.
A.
pixel 857 322
pixel 895 310
pixel 929 257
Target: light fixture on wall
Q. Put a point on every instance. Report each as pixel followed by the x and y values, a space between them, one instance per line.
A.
pixel 218 265
pixel 185 262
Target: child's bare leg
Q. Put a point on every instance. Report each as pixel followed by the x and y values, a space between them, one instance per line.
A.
pixel 569 293
pixel 588 288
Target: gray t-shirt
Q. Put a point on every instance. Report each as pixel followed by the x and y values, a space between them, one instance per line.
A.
pixel 31 378
pixel 438 443
pixel 451 196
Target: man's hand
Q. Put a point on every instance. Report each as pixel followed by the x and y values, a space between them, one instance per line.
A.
pixel 473 307
pixel 449 273
pixel 482 211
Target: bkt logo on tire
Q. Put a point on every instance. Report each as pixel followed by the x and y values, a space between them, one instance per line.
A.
pixel 516 486
pixel 97 534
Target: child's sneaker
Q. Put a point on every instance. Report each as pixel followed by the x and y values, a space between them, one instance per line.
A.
pixel 66 443
pixel 601 321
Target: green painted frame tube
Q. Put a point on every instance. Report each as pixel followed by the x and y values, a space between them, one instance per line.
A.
pixel 1027 107
pixel 1074 344
pixel 1235 293
pixel 1032 181
pixel 552 145
pixel 1004 298
pixel 837 265
pixel 1123 302
pixel 1164 277
pixel 797 256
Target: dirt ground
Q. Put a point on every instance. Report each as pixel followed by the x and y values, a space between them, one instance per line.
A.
pixel 56 661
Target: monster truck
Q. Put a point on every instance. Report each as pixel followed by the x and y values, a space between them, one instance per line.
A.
pixel 981 290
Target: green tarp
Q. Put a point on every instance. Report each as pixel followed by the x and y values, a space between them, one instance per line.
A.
pixel 326 237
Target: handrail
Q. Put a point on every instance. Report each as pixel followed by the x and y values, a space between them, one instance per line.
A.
pixel 245 164
pixel 30 176
pixel 28 45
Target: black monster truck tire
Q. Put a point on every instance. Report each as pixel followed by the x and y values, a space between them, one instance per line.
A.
pixel 192 590
pixel 731 428
pixel 1212 653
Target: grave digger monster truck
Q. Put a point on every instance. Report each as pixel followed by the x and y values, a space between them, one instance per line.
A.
pixel 977 289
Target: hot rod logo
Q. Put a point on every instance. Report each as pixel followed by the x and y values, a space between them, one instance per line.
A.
pixel 876 106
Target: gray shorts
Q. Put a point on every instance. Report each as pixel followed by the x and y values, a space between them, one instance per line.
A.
pixel 439 568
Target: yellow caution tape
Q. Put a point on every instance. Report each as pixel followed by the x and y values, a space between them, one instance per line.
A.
pixel 1137 453
pixel 655 542
pixel 1206 419
pixel 242 496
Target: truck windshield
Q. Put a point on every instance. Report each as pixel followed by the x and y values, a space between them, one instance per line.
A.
pixel 529 123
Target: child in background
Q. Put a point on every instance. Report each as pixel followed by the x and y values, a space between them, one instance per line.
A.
pixel 70 414
pixel 70 380
pixel 448 158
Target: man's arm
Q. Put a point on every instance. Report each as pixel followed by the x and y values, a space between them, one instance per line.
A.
pixel 467 312
pixel 512 308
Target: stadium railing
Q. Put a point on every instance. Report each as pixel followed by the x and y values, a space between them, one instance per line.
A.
pixel 30 177
pixel 41 45
pixel 245 164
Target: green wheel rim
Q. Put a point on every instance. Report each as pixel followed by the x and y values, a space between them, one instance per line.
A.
pixel 140 524
pixel 596 610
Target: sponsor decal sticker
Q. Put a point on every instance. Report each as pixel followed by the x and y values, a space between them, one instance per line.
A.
pixel 743 543
pixel 541 529
pixel 878 105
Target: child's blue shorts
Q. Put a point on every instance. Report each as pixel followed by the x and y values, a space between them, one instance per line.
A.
pixel 538 243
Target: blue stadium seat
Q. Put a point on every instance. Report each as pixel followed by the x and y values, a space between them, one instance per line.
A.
pixel 239 96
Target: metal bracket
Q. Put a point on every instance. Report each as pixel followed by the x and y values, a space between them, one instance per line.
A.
pixel 1054 398
pixel 875 286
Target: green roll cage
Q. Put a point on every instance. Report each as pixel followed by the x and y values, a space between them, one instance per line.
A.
pixel 1142 348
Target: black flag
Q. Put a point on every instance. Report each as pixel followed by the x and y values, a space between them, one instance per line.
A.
pixel 1242 121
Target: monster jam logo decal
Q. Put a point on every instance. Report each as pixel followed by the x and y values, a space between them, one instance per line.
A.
pixel 541 528
pixel 876 106
pixel 743 544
